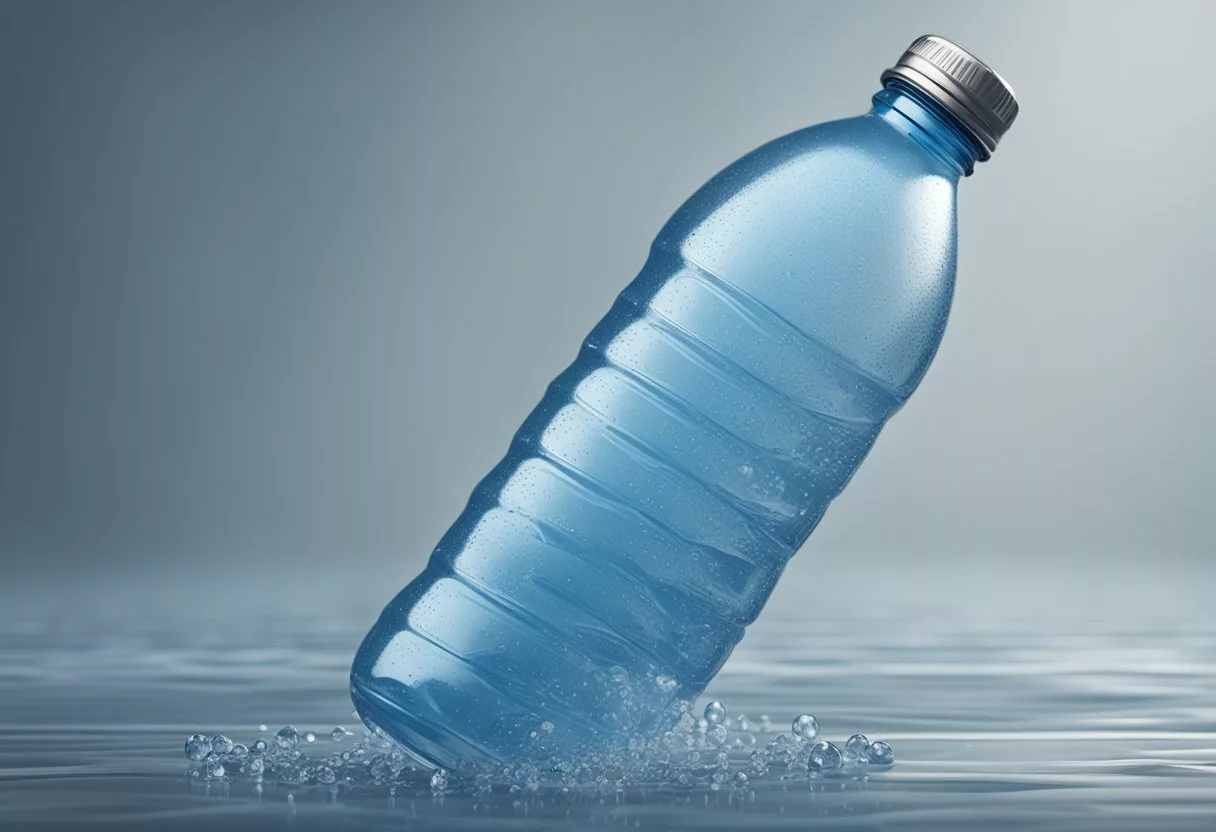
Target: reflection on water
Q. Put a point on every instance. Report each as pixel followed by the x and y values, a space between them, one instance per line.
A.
pixel 1048 726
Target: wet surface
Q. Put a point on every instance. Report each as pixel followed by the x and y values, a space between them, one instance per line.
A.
pixel 1050 724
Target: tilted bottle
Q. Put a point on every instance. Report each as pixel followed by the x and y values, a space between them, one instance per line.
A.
pixel 645 509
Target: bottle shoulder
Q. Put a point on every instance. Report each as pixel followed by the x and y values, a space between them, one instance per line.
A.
pixel 844 160
pixel 846 229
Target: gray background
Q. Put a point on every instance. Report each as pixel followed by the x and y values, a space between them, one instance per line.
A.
pixel 279 280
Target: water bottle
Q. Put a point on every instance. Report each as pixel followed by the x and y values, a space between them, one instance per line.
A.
pixel 606 568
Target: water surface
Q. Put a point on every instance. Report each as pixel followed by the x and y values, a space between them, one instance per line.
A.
pixel 1042 723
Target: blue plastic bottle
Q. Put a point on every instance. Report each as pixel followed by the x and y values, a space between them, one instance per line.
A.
pixel 645 510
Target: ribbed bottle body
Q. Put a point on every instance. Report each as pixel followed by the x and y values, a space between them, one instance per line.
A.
pixel 645 510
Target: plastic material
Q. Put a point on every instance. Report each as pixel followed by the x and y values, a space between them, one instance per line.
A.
pixel 645 510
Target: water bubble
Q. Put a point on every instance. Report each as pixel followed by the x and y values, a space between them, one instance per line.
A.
pixel 197 747
pixel 806 727
pixel 666 683
pixel 766 724
pixel 857 747
pixel 778 750
pixel 263 728
pixel 706 749
pixel 824 756
pixel 880 754
pixel 618 674
pixel 287 738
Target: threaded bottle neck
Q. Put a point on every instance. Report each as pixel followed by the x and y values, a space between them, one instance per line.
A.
pixel 929 124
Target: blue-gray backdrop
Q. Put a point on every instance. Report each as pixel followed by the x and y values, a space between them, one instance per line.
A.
pixel 279 280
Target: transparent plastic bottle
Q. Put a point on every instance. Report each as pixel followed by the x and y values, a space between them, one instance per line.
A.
pixel 646 508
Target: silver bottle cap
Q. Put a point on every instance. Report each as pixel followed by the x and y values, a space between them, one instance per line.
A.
pixel 963 84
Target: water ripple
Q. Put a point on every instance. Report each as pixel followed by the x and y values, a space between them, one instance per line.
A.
pixel 1028 728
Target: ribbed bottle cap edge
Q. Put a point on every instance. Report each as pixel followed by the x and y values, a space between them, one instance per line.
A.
pixel 966 86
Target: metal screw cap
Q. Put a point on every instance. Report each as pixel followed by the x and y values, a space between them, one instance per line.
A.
pixel 963 84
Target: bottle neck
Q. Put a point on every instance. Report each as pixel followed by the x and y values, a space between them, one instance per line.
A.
pixel 929 124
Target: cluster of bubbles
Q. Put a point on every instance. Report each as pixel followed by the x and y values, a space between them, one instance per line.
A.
pixel 713 750
pixel 283 758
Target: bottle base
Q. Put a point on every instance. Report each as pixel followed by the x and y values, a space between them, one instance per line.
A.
pixel 427 745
